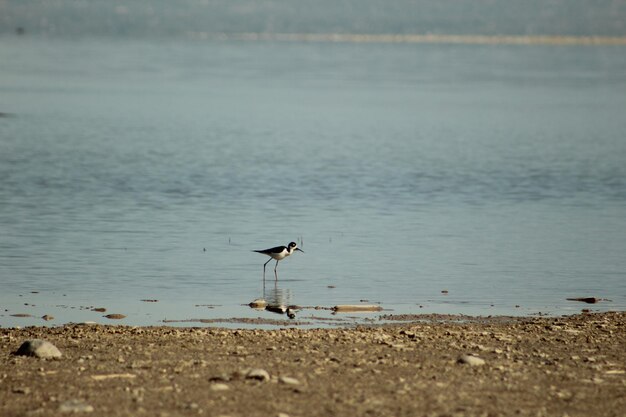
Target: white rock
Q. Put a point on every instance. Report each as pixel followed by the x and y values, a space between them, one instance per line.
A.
pixel 39 348
pixel 75 406
pixel 259 303
pixel 471 360
pixel 219 387
pixel 259 374
pixel 288 380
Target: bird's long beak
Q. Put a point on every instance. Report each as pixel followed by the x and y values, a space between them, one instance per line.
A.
pixel 300 250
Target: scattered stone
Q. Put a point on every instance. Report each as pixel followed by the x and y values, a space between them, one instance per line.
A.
pixel 150 301
pixel 258 374
pixel 21 315
pixel 280 309
pixel 75 406
pixel 219 387
pixel 220 378
pixel 288 380
pixel 588 300
pixel 192 406
pixel 115 316
pixel 259 303
pixel 21 390
pixel 47 317
pixel 99 309
pixel 471 360
pixel 38 348
pixel 523 354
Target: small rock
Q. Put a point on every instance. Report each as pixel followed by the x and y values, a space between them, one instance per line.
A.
pixel 115 316
pixel 75 406
pixel 21 390
pixel 47 317
pixel 258 303
pixel 471 360
pixel 280 309
pixel 288 380
pixel 588 300
pixel 39 348
pixel 258 374
pixel 219 387
pixel 220 378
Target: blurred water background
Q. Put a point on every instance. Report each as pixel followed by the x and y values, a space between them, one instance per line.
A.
pixel 146 147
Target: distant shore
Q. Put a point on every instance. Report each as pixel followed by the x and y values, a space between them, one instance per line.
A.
pixel 433 366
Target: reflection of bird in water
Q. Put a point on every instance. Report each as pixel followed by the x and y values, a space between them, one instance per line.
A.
pixel 278 301
pixel 278 253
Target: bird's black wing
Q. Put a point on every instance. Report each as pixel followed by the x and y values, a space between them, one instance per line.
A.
pixel 277 249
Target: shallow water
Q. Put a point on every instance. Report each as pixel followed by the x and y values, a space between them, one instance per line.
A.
pixel 142 170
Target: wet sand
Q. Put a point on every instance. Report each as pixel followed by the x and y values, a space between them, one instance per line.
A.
pixel 565 366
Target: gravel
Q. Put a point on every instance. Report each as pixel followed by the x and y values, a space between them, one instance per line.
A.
pixel 534 366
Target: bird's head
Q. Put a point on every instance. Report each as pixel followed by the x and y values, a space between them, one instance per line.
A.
pixel 294 247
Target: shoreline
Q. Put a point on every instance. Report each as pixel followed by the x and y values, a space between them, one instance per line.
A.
pixel 414 38
pixel 553 366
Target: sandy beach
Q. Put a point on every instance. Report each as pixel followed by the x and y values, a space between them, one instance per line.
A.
pixel 430 366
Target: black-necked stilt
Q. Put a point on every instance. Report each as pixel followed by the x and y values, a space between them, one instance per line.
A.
pixel 278 253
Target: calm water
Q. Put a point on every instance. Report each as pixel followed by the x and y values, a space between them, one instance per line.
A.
pixel 497 173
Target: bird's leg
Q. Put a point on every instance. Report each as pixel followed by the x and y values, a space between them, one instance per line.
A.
pixel 264 268
pixel 276 273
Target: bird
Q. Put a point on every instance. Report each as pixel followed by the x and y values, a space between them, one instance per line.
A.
pixel 278 253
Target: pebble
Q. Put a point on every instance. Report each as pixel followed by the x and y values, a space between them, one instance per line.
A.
pixel 258 303
pixel 39 348
pixel 75 406
pixel 115 316
pixel 219 387
pixel 259 374
pixel 288 380
pixel 47 317
pixel 471 360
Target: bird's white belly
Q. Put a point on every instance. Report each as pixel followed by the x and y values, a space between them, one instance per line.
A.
pixel 280 255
